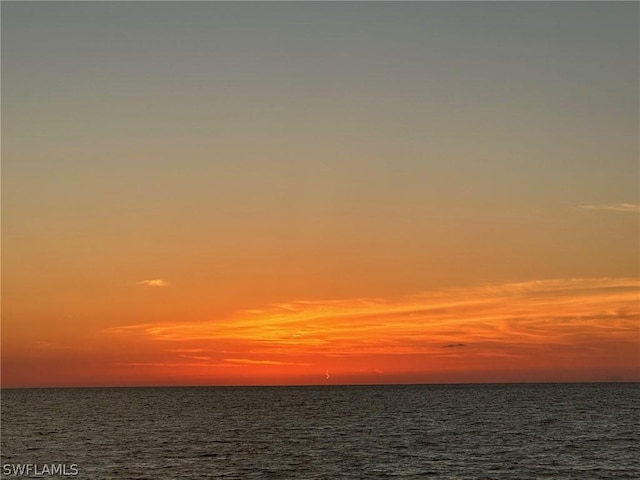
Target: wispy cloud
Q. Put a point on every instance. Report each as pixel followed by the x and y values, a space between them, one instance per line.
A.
pixel 179 365
pixel 196 357
pixel 619 207
pixel 504 320
pixel 187 350
pixel 248 361
pixel 154 283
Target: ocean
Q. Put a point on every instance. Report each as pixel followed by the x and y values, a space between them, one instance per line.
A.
pixel 510 431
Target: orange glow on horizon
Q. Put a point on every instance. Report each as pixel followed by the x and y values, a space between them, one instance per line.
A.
pixel 553 330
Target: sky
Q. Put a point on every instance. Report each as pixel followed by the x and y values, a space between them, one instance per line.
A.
pixel 275 193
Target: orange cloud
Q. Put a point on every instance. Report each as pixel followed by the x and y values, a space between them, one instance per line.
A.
pixel 154 283
pixel 547 322
pixel 247 361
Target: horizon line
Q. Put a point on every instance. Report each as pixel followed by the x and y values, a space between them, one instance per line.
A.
pixel 598 382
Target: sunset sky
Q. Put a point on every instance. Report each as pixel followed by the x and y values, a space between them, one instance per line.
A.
pixel 203 193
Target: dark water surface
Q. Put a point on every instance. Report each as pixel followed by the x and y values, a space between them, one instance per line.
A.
pixel 564 431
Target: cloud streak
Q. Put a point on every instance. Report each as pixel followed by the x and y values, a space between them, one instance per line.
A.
pixel 619 207
pixel 156 283
pixel 543 319
pixel 248 361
